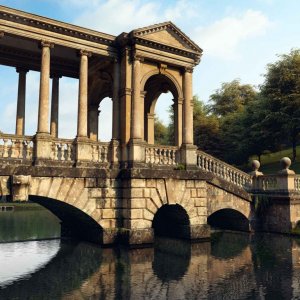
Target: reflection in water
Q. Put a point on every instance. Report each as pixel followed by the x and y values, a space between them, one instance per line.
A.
pixel 231 266
pixel 30 223
pixel 19 260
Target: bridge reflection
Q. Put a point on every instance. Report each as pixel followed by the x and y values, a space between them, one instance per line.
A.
pixel 232 266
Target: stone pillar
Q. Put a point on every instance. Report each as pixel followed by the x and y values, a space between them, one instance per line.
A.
pixel 93 122
pixel 188 111
pixel 188 155
pixel 43 121
pixel 136 132
pixel 137 150
pixel 54 106
pixel 43 144
pixel 116 102
pixel 178 121
pixel 83 95
pixel 84 151
pixel 20 119
pixel 150 128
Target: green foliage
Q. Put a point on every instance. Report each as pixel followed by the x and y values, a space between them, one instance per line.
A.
pixel 261 204
pixel 161 133
pixel 232 97
pixel 281 92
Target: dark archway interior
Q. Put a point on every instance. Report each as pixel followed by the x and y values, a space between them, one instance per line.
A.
pixel 74 222
pixel 228 219
pixel 172 221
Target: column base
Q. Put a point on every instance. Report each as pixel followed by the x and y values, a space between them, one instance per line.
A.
pixel 43 148
pixel 188 156
pixel 83 150
pixel 136 153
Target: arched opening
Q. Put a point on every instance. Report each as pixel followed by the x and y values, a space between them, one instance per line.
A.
pixel 229 219
pixel 161 87
pixel 74 222
pixel 164 120
pixel 105 120
pixel 172 221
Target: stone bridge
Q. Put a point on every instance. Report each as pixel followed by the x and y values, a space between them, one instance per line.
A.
pixel 130 188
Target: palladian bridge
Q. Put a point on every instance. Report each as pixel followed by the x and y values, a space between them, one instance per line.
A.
pixel 128 189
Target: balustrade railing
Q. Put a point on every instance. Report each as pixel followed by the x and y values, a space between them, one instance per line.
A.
pixel 223 170
pixel 161 155
pixel 16 147
pixel 63 150
pixel 101 152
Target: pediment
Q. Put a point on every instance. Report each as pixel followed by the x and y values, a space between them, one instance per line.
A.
pixel 168 34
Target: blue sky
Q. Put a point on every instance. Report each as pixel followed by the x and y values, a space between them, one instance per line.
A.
pixel 239 38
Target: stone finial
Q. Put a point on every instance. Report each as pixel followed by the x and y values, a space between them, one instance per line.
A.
pixel 285 163
pixel 255 167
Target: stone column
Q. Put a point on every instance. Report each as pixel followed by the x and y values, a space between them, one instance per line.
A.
pixel 150 128
pixel 54 106
pixel 84 148
pixel 116 102
pixel 93 122
pixel 20 119
pixel 188 153
pixel 136 123
pixel 43 121
pixel 188 110
pixel 83 95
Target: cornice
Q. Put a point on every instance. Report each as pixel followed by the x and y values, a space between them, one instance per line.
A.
pixel 178 51
pixel 51 25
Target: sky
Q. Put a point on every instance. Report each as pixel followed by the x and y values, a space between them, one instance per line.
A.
pixel 238 37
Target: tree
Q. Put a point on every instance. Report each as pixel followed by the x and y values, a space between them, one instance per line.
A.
pixel 281 91
pixel 161 133
pixel 231 98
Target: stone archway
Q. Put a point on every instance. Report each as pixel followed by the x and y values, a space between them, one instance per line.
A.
pixel 155 84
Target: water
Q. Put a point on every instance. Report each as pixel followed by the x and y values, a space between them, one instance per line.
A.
pixel 231 266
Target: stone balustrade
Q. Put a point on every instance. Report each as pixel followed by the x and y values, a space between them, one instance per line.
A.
pixel 101 152
pixel 63 150
pixel 225 171
pixel 16 147
pixel 161 155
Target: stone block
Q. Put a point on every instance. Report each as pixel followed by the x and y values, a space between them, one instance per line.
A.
pixel 151 206
pixel 200 184
pixel 200 202
pixel 201 193
pixel 148 215
pixel 193 193
pixel 90 182
pixel 147 192
pixel 108 223
pixel 140 183
pixel 202 211
pixel 102 183
pixel 140 223
pixel 138 203
pixel 136 213
pixel 190 183
pixel 151 183
pixel 108 213
pixel 136 193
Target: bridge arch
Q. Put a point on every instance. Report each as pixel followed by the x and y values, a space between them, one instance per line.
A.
pixel 171 220
pixel 228 218
pixel 75 223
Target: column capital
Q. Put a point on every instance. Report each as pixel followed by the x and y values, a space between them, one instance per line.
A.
pixel 137 57
pixel 21 70
pixel 150 115
pixel 188 69
pixel 46 44
pixel 143 94
pixel 180 101
pixel 83 52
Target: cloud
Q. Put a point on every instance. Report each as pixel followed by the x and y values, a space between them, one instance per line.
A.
pixel 117 16
pixel 223 37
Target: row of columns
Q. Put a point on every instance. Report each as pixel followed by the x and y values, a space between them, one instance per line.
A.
pixel 43 112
